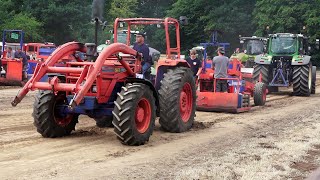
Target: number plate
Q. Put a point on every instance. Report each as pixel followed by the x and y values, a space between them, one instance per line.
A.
pixel 140 76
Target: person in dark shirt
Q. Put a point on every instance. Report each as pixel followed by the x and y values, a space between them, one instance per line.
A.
pixel 22 57
pixel 194 62
pixel 142 48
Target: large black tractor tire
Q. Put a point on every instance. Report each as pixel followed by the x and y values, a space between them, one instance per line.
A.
pixel 134 114
pixel 177 96
pixel 302 78
pixel 259 94
pixel 263 70
pixel 48 120
pixel 105 121
pixel 314 79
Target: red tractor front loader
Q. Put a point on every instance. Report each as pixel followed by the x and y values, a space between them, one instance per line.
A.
pixel 110 89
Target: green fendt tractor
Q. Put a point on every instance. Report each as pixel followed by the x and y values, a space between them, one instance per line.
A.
pixel 251 47
pixel 287 62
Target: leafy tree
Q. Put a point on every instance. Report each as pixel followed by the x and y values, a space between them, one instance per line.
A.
pixel 280 15
pixel 63 20
pixel 28 24
pixel 289 16
pixel 230 17
pixel 153 8
pixel 123 8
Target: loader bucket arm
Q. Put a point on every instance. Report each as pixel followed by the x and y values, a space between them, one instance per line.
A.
pixel 91 72
pixel 107 52
pixel 39 72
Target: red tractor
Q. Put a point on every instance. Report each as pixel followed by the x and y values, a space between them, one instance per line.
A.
pixel 11 69
pixel 110 89
pixel 240 88
pixel 39 51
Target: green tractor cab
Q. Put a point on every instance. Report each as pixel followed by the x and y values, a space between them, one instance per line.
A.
pixel 121 37
pixel 251 47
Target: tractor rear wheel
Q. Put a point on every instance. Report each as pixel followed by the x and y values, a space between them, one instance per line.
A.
pixel 105 121
pixel 134 114
pixel 177 97
pixel 302 78
pixel 314 79
pixel 263 70
pixel 49 120
pixel 259 94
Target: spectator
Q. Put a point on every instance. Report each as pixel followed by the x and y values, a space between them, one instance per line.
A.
pixel 194 62
pixel 22 57
pixel 10 53
pixel 220 64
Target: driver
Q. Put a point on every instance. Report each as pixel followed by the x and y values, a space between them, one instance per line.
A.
pixel 143 49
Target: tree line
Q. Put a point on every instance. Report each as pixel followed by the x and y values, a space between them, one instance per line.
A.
pixel 60 21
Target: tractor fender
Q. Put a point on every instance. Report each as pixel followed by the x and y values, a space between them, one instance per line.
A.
pixel 173 63
pixel 164 65
pixel 258 60
pixel 305 61
pixel 148 83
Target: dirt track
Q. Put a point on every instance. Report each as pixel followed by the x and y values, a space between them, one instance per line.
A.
pixel 278 141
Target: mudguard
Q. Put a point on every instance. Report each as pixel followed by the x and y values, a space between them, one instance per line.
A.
pixel 305 61
pixel 261 59
pixel 148 83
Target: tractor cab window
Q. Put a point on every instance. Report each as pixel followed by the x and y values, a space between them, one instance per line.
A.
pixel 253 47
pixel 301 46
pixel 31 49
pixel 283 45
pixel 122 38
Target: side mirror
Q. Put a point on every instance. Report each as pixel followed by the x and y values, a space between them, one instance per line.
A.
pixel 183 20
pixel 104 25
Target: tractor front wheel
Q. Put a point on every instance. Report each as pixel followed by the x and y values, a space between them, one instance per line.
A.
pixel 260 94
pixel 177 97
pixel 261 71
pixel 134 114
pixel 49 118
pixel 302 80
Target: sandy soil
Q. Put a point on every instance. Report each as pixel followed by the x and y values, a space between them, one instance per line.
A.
pixel 278 141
